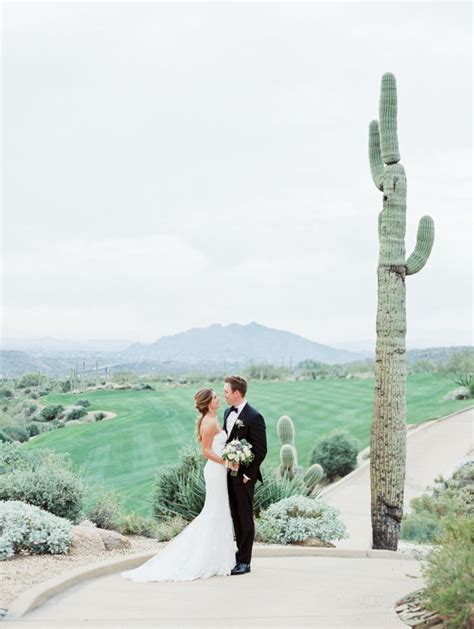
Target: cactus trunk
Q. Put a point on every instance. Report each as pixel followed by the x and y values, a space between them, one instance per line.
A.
pixel 388 443
pixel 388 432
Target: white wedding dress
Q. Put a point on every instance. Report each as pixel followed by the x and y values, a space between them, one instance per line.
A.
pixel 206 546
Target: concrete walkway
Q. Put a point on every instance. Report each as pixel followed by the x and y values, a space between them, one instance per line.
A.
pixel 279 592
pixel 433 448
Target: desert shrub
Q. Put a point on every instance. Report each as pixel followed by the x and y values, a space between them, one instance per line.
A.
pixel 169 528
pixel 14 457
pixel 27 528
pixel 34 428
pixel 57 423
pixel 336 452
pixel 449 574
pixel 84 403
pixel 4 438
pixel 6 393
pixel 53 489
pixel 274 488
pixel 179 488
pixel 52 411
pixel 429 512
pixel 106 512
pixel 99 416
pixel 16 433
pixel 75 413
pixel 136 524
pixel 28 380
pixel 420 527
pixel 298 518
pixel 32 408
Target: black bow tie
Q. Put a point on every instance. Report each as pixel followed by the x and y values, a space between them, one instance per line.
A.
pixel 234 408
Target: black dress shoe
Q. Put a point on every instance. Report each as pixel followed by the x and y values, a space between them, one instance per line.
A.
pixel 240 568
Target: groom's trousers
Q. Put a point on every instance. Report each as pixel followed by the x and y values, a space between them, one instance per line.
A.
pixel 241 508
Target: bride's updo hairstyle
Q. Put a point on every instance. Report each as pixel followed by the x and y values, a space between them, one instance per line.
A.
pixel 202 400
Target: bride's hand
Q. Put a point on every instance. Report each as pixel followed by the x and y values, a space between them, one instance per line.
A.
pixel 233 466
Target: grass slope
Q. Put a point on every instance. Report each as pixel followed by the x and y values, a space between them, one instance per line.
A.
pixel 124 453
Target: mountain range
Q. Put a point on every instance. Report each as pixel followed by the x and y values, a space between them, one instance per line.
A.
pixel 216 345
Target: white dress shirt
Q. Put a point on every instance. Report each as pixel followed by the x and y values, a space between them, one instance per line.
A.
pixel 232 416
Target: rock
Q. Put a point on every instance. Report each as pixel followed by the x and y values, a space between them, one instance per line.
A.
pixel 113 540
pixel 461 393
pixel 315 541
pixel 86 541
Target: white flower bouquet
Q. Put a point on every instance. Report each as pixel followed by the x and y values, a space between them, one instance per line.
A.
pixel 238 451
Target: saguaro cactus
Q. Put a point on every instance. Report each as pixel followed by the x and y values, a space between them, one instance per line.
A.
pixel 288 455
pixel 388 433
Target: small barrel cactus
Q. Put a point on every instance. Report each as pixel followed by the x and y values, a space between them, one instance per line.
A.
pixel 312 476
pixel 286 430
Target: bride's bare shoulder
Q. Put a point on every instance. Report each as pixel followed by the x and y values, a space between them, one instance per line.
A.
pixel 209 425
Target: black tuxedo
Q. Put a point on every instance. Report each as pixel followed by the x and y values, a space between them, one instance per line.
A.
pixel 240 493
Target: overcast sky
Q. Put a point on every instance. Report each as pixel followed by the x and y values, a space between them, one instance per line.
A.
pixel 169 166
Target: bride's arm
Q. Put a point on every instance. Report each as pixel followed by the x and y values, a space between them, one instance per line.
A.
pixel 207 437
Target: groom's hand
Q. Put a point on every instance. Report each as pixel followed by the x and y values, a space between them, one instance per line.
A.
pixel 246 479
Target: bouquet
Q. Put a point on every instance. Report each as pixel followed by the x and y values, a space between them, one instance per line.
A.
pixel 238 451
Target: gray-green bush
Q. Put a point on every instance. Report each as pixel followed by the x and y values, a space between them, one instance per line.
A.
pixel 56 490
pixel 296 519
pixel 27 528
pixel 41 478
pixel 136 524
pixel 337 453
pixel 75 413
pixel 106 511
pixel 52 411
pixel 449 574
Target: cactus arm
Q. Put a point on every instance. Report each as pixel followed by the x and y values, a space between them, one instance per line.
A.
pixel 388 120
pixel 424 244
pixel 375 155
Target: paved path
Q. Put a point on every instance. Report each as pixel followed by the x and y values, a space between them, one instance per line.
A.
pixel 279 592
pixel 431 450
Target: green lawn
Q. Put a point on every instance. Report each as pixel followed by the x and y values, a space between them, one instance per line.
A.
pixel 124 453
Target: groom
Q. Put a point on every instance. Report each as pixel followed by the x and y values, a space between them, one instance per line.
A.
pixel 241 421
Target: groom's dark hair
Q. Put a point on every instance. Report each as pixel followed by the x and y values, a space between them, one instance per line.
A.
pixel 237 383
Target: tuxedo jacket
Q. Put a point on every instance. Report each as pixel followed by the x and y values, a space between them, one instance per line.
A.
pixel 254 431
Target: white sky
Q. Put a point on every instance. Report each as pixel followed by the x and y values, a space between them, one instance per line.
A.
pixel 169 166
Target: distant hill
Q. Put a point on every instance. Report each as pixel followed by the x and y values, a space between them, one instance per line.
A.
pixel 14 363
pixel 214 348
pixel 241 344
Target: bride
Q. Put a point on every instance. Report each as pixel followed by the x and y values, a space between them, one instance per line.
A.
pixel 206 546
